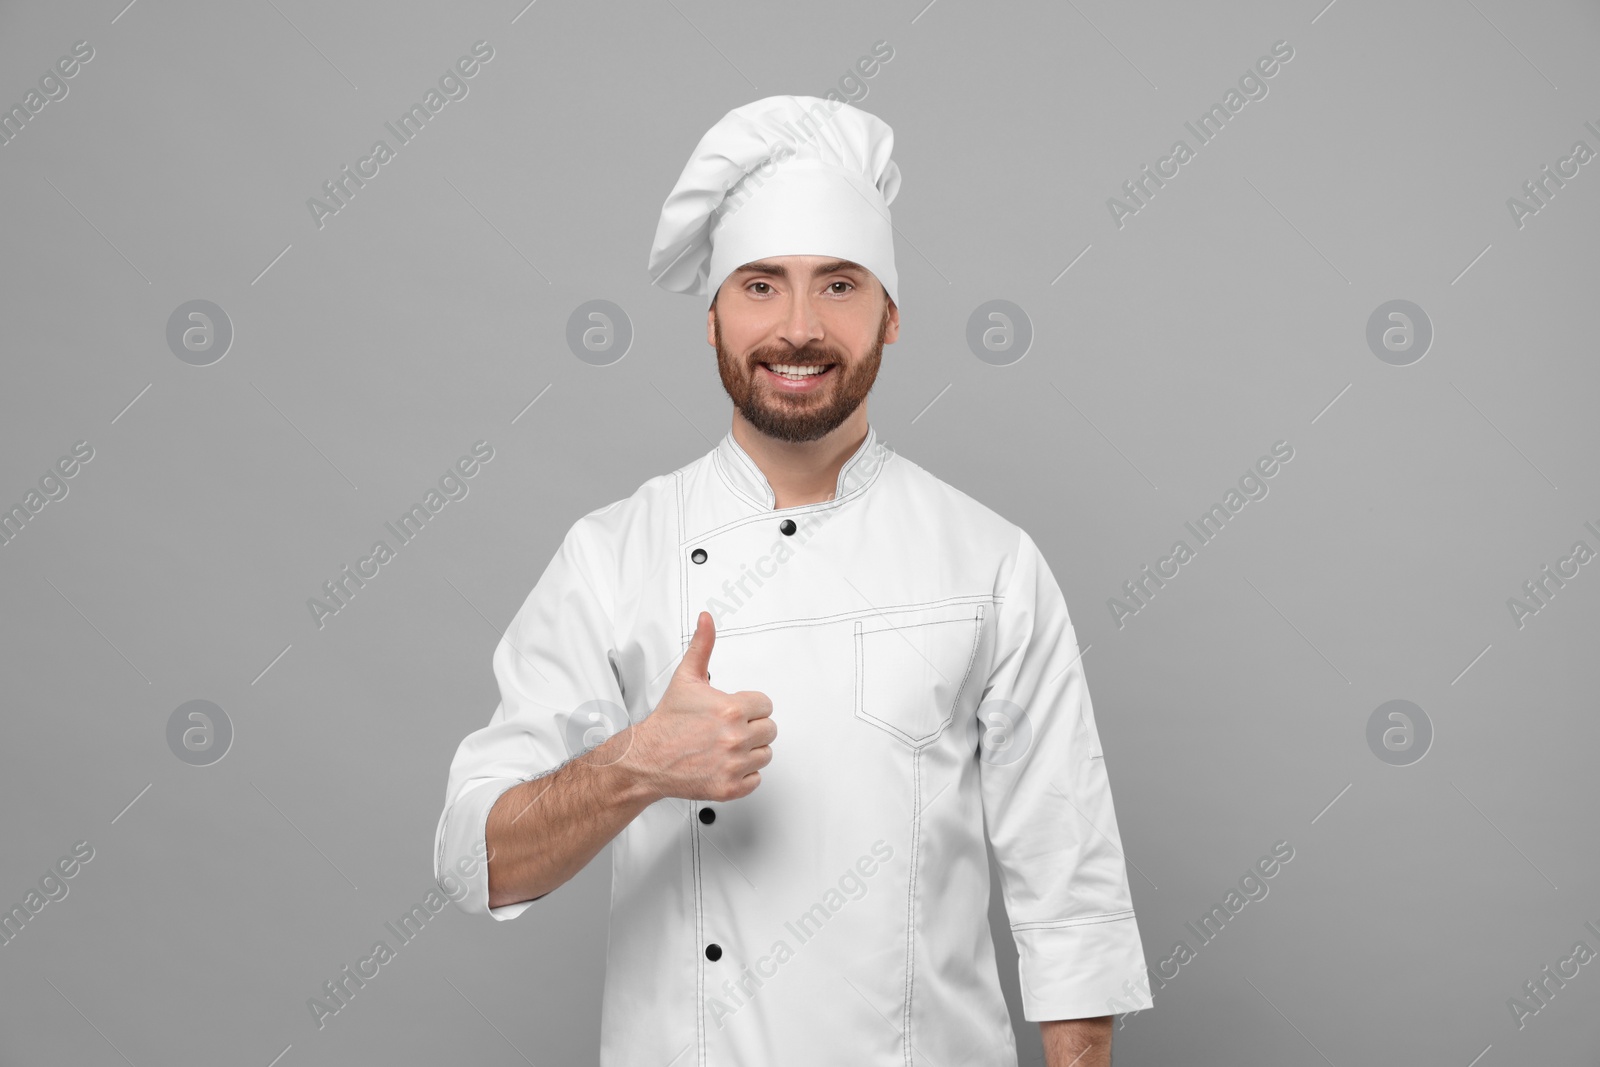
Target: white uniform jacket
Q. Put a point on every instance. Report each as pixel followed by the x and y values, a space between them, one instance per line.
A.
pixel 927 687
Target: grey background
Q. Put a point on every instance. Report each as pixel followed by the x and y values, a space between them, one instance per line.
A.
pixel 1228 314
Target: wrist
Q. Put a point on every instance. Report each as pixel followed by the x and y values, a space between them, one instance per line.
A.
pixel 628 779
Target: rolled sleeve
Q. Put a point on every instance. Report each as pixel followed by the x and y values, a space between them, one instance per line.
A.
pixel 1048 812
pixel 560 693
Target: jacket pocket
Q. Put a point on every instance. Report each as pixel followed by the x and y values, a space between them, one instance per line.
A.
pixel 912 665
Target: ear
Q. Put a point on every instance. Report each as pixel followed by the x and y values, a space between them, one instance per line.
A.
pixel 711 324
pixel 892 332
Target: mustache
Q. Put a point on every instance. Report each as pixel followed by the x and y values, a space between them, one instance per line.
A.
pixel 805 357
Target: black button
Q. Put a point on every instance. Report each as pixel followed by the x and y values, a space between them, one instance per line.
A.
pixel 786 527
pixel 707 816
pixel 713 952
pixel 698 555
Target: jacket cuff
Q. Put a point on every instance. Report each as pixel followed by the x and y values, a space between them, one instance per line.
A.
pixel 1081 968
pixel 463 849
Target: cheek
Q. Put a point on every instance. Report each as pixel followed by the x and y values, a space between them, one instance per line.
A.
pixel 737 344
pixel 863 337
pixel 739 332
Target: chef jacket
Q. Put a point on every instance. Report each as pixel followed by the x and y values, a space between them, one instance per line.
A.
pixel 926 682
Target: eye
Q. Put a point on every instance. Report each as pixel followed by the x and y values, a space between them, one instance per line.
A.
pixel 847 285
pixel 756 283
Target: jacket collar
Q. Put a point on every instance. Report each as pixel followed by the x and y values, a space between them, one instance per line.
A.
pixel 745 477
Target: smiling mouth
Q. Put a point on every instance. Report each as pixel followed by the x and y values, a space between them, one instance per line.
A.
pixel 798 372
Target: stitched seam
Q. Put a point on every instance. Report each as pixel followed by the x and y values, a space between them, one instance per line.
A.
pixel 861 692
pixel 677 477
pixel 859 673
pixel 1089 920
pixel 913 625
pixel 694 838
pixel 875 447
pixel 687 631
pixel 737 454
pixel 699 952
pixel 911 893
pixel 972 659
pixel 890 627
pixel 843 616
pixel 945 720
pixel 767 512
pixel 732 485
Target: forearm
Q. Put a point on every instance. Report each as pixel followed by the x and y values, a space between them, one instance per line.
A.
pixel 1077 1042
pixel 542 832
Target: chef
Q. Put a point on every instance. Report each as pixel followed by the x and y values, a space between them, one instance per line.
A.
pixel 798 682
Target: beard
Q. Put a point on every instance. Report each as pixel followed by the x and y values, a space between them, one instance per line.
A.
pixel 792 417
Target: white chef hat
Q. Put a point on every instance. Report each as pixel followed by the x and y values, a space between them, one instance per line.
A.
pixel 783 176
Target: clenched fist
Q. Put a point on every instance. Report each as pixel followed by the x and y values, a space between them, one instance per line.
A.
pixel 701 743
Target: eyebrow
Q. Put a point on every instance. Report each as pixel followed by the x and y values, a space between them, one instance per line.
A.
pixel 778 270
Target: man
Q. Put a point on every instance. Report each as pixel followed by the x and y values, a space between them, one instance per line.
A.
pixel 815 895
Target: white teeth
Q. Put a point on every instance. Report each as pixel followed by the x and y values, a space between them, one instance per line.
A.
pixel 789 371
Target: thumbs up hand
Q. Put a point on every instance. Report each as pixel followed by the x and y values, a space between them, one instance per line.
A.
pixel 701 743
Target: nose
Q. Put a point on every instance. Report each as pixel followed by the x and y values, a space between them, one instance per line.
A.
pixel 802 325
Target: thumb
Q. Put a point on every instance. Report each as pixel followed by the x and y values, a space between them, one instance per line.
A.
pixel 696 663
